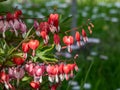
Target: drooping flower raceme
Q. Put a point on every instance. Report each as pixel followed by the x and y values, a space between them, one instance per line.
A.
pixel 30 64
pixel 13 23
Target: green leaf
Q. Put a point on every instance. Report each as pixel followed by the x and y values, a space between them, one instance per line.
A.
pixel 9 63
pixel 1 51
pixel 66 19
pixel 27 34
pixel 34 58
pixel 17 54
pixel 49 49
pixel 25 78
pixel 1 88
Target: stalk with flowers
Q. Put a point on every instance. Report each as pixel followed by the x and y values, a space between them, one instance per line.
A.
pixel 30 58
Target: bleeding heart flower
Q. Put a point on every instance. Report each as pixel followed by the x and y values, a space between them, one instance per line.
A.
pixel 77 37
pixel 54 86
pixel 5 27
pixel 61 72
pixel 29 67
pixel 18 60
pixel 23 28
pixel 9 16
pixel 25 49
pixel 15 72
pixel 53 22
pixel 4 78
pixel 33 44
pixel 66 70
pixel 68 40
pixel 57 42
pixel 50 72
pixel 44 36
pixel 90 30
pixel 17 13
pixel 36 24
pixel 34 85
pixel 44 26
pixel 85 39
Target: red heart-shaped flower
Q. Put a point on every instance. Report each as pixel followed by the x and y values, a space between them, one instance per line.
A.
pixel 33 44
pixel 34 85
pixel 18 60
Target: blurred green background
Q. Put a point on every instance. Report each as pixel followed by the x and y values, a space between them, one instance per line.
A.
pixel 102 53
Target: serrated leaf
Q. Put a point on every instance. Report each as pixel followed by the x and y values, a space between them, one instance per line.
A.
pixel 25 78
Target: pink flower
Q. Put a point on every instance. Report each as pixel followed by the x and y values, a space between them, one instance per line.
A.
pixel 15 72
pixel 36 24
pixel 29 67
pixel 23 28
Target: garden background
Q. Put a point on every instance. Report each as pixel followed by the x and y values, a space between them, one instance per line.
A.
pixel 99 59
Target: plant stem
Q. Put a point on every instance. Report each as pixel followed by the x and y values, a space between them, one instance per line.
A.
pixel 82 84
pixel 76 28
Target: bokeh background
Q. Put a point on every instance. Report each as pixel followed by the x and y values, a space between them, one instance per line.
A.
pixel 99 59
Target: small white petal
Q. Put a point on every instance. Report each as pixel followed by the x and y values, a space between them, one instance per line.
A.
pixel 50 79
pixel 37 33
pixel 56 78
pixel 85 39
pixel 24 34
pixel 6 85
pixel 40 80
pixel 58 47
pixel 61 77
pixel 69 49
pixel 78 43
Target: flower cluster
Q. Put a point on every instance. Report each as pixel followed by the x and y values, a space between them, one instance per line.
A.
pixel 4 78
pixel 32 44
pixel 52 25
pixel 13 23
pixel 56 73
pixel 24 64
